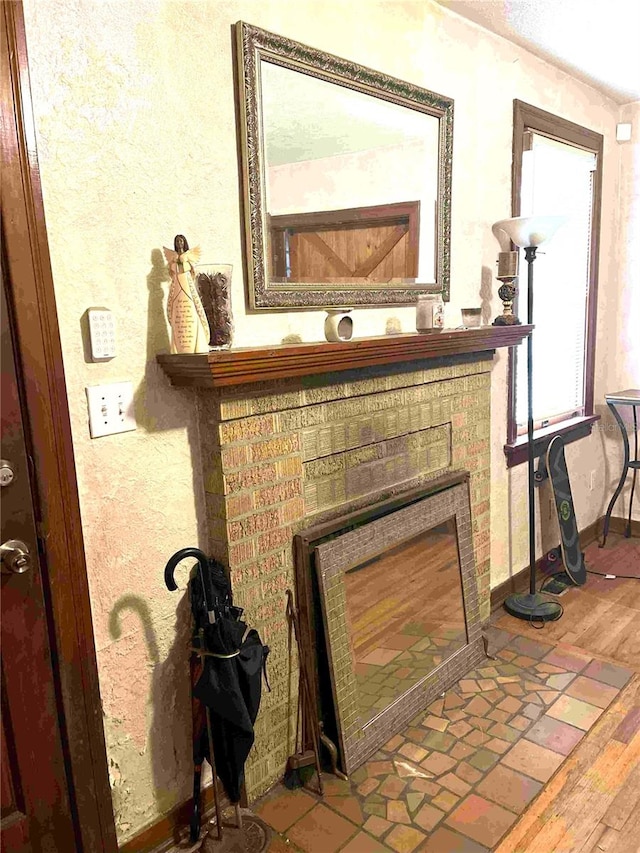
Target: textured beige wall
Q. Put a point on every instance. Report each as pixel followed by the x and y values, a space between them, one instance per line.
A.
pixel 134 109
pixel 619 316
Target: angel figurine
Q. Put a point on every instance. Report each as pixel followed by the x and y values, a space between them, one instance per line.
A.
pixel 189 327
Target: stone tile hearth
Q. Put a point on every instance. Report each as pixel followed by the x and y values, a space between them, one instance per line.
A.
pixel 458 777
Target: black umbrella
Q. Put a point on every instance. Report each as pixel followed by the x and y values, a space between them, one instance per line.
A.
pixel 227 678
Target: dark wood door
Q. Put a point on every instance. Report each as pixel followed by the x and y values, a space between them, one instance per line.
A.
pixel 55 792
pixel 35 805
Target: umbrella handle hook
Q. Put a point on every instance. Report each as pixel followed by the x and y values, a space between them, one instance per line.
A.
pixel 203 564
pixel 180 555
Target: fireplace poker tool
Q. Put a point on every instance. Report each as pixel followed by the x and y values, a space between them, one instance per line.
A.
pixel 300 765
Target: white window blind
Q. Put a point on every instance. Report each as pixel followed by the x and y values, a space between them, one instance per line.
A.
pixel 557 178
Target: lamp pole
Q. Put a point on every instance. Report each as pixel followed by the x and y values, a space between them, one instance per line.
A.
pixel 532 606
pixel 529 232
pixel 530 256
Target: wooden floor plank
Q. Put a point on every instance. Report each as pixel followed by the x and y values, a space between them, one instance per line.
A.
pixel 582 611
pixel 602 769
pixel 591 625
pixel 626 800
pixel 593 842
pixel 608 839
pixel 632 595
pixel 628 593
pixel 589 805
pixel 626 840
pixel 617 639
pixel 547 841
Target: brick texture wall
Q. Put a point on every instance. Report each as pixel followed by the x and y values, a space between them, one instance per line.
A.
pixel 280 456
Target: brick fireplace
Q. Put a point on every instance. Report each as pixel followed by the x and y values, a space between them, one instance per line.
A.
pixel 281 454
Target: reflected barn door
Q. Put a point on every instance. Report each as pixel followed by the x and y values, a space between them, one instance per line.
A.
pixel 375 244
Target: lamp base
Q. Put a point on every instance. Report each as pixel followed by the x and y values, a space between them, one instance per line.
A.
pixel 506 320
pixel 507 293
pixel 533 607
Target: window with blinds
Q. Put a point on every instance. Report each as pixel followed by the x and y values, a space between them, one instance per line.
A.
pixel 557 178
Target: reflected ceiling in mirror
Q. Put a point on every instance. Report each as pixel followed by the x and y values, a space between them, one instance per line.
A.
pixel 347 176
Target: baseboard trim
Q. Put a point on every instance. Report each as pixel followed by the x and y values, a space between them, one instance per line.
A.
pixel 619 525
pixel 520 581
pixel 173 828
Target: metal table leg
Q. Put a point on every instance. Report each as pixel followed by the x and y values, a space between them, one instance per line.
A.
pixel 635 465
pixel 625 470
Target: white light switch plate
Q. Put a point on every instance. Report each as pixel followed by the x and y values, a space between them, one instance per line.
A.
pixel 110 408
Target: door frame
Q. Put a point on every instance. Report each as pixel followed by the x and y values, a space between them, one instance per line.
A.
pixel 60 540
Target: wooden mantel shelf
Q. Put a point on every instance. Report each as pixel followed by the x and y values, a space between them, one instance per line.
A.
pixel 261 364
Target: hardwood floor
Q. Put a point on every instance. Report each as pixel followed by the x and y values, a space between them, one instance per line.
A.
pixel 593 803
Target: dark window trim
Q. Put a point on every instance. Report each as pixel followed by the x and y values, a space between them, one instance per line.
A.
pixel 571 430
pixel 527 117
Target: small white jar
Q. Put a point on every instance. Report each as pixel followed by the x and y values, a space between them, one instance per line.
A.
pixel 429 313
pixel 338 326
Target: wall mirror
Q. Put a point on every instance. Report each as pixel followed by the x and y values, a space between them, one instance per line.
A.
pixel 399 604
pixel 347 179
pixel 405 615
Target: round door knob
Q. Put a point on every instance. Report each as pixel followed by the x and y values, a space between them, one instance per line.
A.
pixel 15 557
pixel 6 473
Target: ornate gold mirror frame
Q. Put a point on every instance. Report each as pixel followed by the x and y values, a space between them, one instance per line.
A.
pixel 265 291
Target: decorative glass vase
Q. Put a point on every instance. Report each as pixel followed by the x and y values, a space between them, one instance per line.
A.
pixel 213 282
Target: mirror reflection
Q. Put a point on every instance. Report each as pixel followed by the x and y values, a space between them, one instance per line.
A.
pixel 351 183
pixel 405 615
pixel 347 179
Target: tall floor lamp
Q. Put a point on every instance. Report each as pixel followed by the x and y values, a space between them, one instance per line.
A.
pixel 529 232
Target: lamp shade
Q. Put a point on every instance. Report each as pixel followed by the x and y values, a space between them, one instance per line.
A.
pixel 530 230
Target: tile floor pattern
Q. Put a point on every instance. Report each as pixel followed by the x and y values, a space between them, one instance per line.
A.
pixel 458 777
